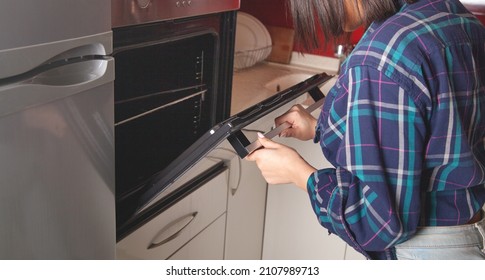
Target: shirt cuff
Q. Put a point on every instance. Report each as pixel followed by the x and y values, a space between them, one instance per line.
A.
pixel 321 185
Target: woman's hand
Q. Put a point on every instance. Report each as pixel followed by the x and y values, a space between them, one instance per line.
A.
pixel 302 123
pixel 280 164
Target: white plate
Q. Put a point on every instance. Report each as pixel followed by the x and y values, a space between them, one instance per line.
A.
pixel 251 34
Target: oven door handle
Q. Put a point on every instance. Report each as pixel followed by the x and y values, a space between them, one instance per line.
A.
pixel 243 147
pixel 172 230
pixel 277 130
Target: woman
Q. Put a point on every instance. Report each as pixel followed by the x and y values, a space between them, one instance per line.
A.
pixel 404 127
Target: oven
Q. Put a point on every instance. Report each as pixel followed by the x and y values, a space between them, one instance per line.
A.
pixel 174 66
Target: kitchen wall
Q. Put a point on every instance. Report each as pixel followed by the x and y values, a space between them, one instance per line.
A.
pixel 275 13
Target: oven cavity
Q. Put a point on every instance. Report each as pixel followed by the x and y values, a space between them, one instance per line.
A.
pixel 173 84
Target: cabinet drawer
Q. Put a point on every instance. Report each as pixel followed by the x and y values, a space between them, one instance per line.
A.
pixel 207 245
pixel 169 231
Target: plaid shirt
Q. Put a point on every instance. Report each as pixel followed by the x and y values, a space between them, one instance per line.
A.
pixel 404 127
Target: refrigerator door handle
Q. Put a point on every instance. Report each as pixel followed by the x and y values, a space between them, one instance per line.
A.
pixel 38 55
pixel 53 81
pixel 64 72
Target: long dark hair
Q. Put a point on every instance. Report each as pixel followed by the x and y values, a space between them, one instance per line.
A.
pixel 329 16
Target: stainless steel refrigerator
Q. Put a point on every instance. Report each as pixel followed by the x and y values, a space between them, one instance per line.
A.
pixel 56 130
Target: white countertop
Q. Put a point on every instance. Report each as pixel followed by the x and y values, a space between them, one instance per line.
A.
pixel 259 82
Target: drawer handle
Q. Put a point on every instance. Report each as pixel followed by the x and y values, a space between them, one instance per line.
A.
pixel 172 230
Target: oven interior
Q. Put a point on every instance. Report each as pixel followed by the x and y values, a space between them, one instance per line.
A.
pixel 163 103
pixel 173 84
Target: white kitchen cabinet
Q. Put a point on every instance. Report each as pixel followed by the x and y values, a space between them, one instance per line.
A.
pixel 245 214
pixel 181 223
pixel 246 202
